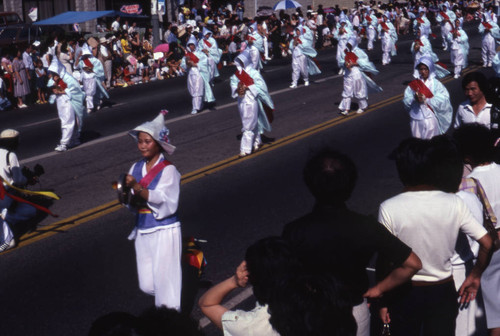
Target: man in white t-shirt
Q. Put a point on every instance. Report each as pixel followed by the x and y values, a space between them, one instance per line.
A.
pixel 115 26
pixel 428 217
pixel 475 109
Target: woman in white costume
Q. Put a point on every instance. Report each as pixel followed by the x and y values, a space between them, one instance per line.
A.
pixel 248 85
pixel 389 38
pixel 70 100
pixel 428 103
pixel 302 56
pixel 342 35
pixel 197 64
pixel 155 185
pixel 93 78
pixel 489 31
pixel 209 46
pixel 356 82
pixel 459 48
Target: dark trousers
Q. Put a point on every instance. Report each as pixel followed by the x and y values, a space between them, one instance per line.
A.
pixel 427 310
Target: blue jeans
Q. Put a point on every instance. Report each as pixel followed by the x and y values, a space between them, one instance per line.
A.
pixel 18 212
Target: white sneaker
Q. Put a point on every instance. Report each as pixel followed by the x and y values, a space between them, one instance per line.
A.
pixel 344 112
pixel 341 71
pixel 7 245
pixel 243 154
pixel 456 76
pixel 359 111
pixel 293 86
pixel 306 83
pixel 61 148
pixel 89 110
pixel 489 65
pixel 194 111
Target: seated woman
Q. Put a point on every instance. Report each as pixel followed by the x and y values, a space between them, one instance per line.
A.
pixel 12 212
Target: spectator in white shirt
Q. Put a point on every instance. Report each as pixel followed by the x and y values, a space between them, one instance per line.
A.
pixel 475 109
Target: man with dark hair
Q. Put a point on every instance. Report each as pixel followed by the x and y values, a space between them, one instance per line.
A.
pixel 268 262
pixel 334 241
pixel 475 109
pixel 429 219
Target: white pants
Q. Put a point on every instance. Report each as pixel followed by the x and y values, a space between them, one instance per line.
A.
pixel 361 314
pixel 67 116
pixel 196 87
pixel 386 49
pixel 108 67
pixel 371 38
pixel 470 321
pixel 249 109
pixel 159 265
pixel 90 87
pixel 299 67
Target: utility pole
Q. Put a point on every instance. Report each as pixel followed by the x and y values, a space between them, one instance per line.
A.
pixel 155 22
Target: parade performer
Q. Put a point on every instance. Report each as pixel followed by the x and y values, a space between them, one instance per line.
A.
pixel 422 47
pixel 356 82
pixel 371 23
pixel 489 31
pixel 428 102
pixel 254 103
pixel 14 207
pixel 459 48
pixel 197 64
pixel 70 100
pixel 255 53
pixel 12 212
pixel 155 184
pixel 342 35
pixel 445 17
pixel 209 46
pixel 389 38
pixel 422 23
pixel 93 78
pixel 496 64
pixel 302 57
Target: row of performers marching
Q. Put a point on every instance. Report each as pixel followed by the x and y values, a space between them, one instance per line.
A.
pixel 249 87
pixel 453 36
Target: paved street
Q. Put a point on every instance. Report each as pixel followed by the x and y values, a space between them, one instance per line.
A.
pixel 72 269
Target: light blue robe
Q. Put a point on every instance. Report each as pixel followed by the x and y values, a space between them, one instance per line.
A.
pixel 204 70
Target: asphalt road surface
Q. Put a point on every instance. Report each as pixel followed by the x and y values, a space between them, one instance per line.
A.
pixel 67 271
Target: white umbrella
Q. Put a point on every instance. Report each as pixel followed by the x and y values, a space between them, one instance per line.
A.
pixel 286 4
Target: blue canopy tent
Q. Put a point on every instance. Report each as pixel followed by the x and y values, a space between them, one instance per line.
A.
pixel 79 17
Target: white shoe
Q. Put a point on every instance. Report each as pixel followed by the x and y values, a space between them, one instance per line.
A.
pixel 485 65
pixel 293 86
pixel 341 71
pixel 344 112
pixel 359 111
pixel 456 76
pixel 489 65
pixel 89 110
pixel 194 111
pixel 306 83
pixel 61 148
pixel 7 245
pixel 243 154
